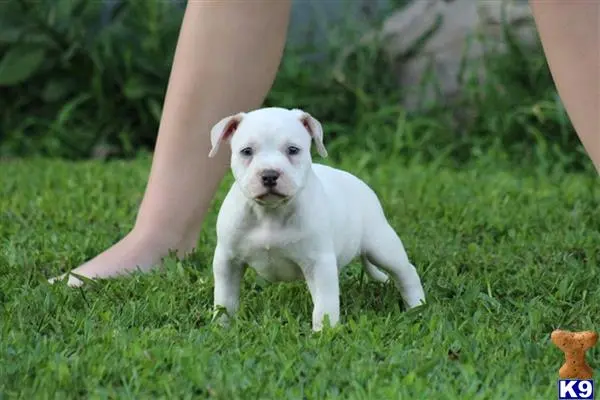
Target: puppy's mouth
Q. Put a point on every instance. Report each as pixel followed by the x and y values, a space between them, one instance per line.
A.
pixel 270 197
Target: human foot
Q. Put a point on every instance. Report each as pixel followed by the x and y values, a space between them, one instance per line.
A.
pixel 133 252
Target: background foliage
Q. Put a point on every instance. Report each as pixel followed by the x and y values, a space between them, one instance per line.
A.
pixel 79 80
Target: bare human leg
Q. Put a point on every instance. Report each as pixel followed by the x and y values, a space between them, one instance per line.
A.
pixel 227 56
pixel 570 35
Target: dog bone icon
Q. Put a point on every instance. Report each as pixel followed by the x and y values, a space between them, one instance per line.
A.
pixel 574 345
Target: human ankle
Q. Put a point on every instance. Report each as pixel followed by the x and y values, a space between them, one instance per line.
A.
pixel 165 241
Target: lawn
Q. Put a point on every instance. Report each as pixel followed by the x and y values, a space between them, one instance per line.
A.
pixel 506 255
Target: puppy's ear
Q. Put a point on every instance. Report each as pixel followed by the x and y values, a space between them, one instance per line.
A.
pixel 314 129
pixel 223 130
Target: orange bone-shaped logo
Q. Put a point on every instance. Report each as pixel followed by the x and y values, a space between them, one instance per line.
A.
pixel 574 345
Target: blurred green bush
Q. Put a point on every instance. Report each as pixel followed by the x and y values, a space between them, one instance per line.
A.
pixel 74 87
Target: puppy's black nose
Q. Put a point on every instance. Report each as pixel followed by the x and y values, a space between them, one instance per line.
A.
pixel 269 178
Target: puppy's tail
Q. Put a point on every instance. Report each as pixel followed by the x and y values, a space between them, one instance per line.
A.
pixel 374 272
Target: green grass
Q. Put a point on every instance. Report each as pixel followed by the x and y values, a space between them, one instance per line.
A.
pixel 506 255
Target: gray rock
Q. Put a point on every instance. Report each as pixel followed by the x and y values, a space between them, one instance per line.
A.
pixel 461 30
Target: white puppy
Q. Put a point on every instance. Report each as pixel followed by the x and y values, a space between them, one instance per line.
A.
pixel 288 218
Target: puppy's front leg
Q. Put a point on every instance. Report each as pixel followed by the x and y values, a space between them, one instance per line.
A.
pixel 323 283
pixel 228 274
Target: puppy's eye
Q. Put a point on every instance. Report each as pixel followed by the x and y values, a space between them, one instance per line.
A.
pixel 246 152
pixel 293 150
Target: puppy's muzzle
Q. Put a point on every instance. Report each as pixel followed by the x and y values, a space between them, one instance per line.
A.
pixel 269 178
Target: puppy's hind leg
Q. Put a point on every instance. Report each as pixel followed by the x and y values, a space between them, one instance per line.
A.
pixel 384 248
pixel 373 271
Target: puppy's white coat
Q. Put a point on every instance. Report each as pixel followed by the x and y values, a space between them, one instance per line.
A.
pixel 289 219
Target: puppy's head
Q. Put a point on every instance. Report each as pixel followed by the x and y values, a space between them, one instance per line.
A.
pixel 270 151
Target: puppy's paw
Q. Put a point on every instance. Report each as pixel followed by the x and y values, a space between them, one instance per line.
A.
pixel 322 324
pixel 221 317
pixel 414 303
pixel 414 297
